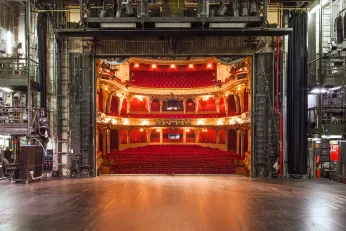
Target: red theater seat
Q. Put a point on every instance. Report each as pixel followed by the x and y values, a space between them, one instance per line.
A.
pixel 173 159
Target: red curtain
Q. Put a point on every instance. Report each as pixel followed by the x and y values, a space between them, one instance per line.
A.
pixel 190 136
pixel 207 136
pixel 222 106
pixel 139 105
pixel 114 140
pixel 232 140
pixel 246 101
pixel 232 109
pixel 190 106
pixel 138 136
pixel 114 105
pixel 207 105
pixel 101 141
pixel 222 138
pixel 123 137
pixel 124 107
pixel 155 105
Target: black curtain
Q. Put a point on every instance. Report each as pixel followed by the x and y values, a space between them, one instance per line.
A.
pixel 42 56
pixel 297 94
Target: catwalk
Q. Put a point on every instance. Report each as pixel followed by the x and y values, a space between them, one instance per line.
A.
pixel 173 203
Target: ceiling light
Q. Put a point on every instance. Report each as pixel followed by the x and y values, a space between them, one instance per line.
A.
pixel 136 65
pixel 209 66
pixel 190 65
pixel 153 66
pixel 172 65
pixel 6 89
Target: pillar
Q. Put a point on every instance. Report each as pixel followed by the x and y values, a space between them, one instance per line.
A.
pixel 196 135
pixel 217 104
pixel 161 136
pixel 184 105
pixel 242 148
pixel 97 140
pixel 148 135
pixel 237 103
pixel 217 136
pixel 184 136
pixel 238 141
pixel 226 105
pixel 120 105
pixel 149 105
pixel 108 132
pixel 196 105
pixel 128 136
pixel 104 142
pixel 161 103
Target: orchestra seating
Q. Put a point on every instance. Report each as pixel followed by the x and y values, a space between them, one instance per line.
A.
pixel 172 159
pixel 175 116
pixel 176 79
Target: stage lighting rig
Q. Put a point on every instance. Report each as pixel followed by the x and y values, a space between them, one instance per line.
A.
pixel 124 5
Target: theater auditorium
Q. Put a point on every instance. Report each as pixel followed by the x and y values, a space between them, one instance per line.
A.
pixel 172 115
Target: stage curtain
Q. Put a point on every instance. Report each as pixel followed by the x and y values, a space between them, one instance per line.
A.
pixel 296 94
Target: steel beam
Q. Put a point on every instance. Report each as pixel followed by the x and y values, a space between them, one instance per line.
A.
pixel 175 32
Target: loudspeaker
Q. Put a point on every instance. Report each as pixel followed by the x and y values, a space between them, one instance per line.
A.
pixel 30 163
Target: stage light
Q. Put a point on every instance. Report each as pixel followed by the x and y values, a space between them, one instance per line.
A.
pixel 136 65
pixel 153 66
pixel 141 130
pixel 190 65
pixel 172 65
pixel 209 66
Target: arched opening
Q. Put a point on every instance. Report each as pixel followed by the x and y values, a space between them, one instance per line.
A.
pixel 138 135
pixel 139 105
pixel 100 101
pixel 222 106
pixel 232 109
pixel 222 137
pixel 123 137
pixel 124 107
pixel 114 105
pixel 190 136
pixel 232 140
pixel 246 101
pixel 206 104
pixel 155 136
pixel 207 136
pixel 172 135
pixel 190 106
pixel 155 105
pixel 114 140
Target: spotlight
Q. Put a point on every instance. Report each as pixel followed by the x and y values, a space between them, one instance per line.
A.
pixel 190 65
pixel 209 66
pixel 172 66
pixel 136 65
pixel 153 66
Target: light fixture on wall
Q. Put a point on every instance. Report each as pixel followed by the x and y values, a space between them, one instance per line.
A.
pixel 200 122
pixel 114 122
pixel 172 65
pixel 136 65
pixel 126 121
pixel 191 66
pixel 187 130
pixel 158 130
pixel 153 66
pixel 145 122
pixel 141 130
pixel 209 66
pixel 204 130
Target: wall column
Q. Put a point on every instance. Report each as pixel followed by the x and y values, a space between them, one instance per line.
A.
pixel 242 148
pixel 196 105
pixel 120 105
pixel 217 104
pixel 218 136
pixel 238 141
pixel 196 135
pixel 149 105
pixel 128 103
pixel 161 103
pixel 226 138
pixel 237 103
pixel 161 136
pixel 128 136
pixel 184 136
pixel 108 140
pixel 148 134
pixel 104 142
pixel 184 105
pixel 226 105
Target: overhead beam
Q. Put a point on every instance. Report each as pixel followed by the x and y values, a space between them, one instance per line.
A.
pixel 174 32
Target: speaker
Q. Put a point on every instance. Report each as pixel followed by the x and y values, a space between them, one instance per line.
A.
pixel 30 163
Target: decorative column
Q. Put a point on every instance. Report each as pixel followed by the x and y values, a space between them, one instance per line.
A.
pixel 104 142
pixel 149 104
pixel 97 140
pixel 196 135
pixel 237 103
pixel 218 136
pixel 161 103
pixel 120 105
pixel 226 105
pixel 161 136
pixel 226 138
pixel 128 103
pixel 238 141
pixel 108 132
pixel 184 105
pixel 184 136
pixel 196 104
pixel 241 100
pixel 217 104
pixel 127 136
pixel 242 148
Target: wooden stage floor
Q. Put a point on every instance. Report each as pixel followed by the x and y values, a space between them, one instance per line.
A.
pixel 173 203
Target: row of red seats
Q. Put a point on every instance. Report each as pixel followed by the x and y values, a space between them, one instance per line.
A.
pixel 173 159
pixel 173 79
pixel 182 116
